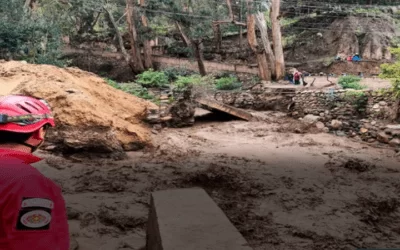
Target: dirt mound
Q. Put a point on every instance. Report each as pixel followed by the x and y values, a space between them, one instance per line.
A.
pixel 91 116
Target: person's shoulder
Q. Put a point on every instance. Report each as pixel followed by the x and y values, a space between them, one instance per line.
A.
pixel 12 170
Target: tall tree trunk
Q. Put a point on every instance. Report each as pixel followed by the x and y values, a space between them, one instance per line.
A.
pixel 148 51
pixel 184 37
pixel 118 35
pixel 135 49
pixel 264 72
pixel 198 51
pixel 217 37
pixel 277 40
pixel 261 24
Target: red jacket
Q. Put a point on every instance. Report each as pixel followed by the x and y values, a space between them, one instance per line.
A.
pixel 32 209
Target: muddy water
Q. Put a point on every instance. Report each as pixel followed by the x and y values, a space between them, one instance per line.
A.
pixel 282 190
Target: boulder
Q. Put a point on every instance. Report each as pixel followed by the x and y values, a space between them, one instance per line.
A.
pixel 91 115
pixel 336 124
pixel 383 137
pixel 320 125
pixel 311 118
pixel 395 142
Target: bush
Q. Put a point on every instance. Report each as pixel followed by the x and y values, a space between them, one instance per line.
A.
pixel 151 78
pixel 184 81
pixel 173 73
pixel 227 83
pixel 351 82
pixel 131 88
pixel 392 72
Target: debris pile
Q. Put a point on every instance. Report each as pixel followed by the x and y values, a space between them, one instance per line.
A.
pixel 91 116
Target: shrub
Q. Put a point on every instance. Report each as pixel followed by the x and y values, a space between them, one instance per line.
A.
pixel 227 83
pixel 351 82
pixel 184 81
pixel 151 78
pixel 173 73
pixel 131 88
pixel 392 72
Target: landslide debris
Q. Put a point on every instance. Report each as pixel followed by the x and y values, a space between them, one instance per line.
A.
pixel 91 116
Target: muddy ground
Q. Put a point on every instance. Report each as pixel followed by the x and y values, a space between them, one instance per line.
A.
pixel 282 188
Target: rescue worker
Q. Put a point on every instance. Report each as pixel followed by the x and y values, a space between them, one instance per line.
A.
pixel 297 76
pixel 32 209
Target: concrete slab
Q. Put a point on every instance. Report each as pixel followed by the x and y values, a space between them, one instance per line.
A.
pixel 188 219
pixel 212 104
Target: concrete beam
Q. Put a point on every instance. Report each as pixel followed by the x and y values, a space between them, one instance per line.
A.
pixel 188 219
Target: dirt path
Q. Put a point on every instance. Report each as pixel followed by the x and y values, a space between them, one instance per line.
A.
pixel 282 190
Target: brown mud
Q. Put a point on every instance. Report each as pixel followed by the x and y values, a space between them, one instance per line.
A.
pixel 282 189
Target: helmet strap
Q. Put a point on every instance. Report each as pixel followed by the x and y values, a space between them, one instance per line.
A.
pixel 33 148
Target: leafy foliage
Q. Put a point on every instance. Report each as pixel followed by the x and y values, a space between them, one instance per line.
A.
pixel 392 72
pixel 28 36
pixel 132 89
pixel 184 81
pixel 173 73
pixel 227 83
pixel 350 82
pixel 151 78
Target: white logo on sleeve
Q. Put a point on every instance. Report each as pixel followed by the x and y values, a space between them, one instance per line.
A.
pixel 36 219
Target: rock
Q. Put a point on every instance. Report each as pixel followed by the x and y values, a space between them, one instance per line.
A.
pixel 320 125
pixel 383 137
pixel 376 106
pixel 340 133
pixel 382 103
pixel 322 114
pixel 373 123
pixel 311 118
pixel 395 142
pixel 363 130
pixel 395 127
pixel 73 244
pixel 325 130
pixel 371 140
pixel 336 124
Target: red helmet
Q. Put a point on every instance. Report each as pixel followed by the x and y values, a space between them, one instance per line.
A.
pixel 24 114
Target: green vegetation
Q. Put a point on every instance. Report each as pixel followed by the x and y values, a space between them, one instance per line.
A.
pixel 351 82
pixel 392 72
pixel 227 83
pixel 173 73
pixel 358 98
pixel 151 79
pixel 24 36
pixel 131 88
pixel 184 81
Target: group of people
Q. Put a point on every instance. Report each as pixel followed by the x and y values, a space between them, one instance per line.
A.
pixel 32 208
pixel 354 58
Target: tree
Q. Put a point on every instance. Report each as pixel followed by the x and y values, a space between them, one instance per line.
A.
pixel 277 40
pixel 264 72
pixel 147 52
pixel 27 35
pixel 188 17
pixel 136 59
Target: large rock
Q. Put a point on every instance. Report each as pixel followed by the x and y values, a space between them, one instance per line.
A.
pixel 383 137
pixel 395 142
pixel 336 124
pixel 311 118
pixel 90 115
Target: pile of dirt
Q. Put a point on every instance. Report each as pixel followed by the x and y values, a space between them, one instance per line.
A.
pixel 91 116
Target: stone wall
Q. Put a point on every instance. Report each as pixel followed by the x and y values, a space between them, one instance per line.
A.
pixel 364 113
pixel 278 99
